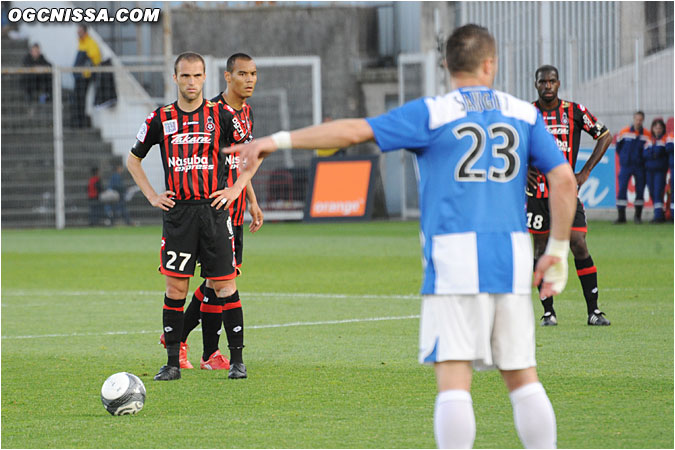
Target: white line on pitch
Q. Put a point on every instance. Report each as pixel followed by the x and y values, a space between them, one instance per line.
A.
pixel 250 327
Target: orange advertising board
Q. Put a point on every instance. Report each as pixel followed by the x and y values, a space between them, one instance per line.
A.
pixel 340 188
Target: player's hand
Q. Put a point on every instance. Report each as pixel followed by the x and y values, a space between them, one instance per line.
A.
pixel 163 201
pixel 256 216
pixel 532 175
pixel 224 197
pixel 581 177
pixel 553 271
pixel 254 150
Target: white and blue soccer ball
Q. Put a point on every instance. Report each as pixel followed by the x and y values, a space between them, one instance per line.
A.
pixel 123 393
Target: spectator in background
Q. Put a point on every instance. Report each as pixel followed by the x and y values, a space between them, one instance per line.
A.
pixel 93 192
pixel 118 209
pixel 7 26
pixel 630 145
pixel 656 167
pixel 88 54
pixel 37 85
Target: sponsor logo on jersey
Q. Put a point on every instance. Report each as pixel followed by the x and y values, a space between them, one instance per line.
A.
pixel 562 145
pixel 142 132
pixel 588 122
pixel 239 132
pixel 190 163
pixel 558 129
pixel 170 127
pixel 232 161
pixel 191 138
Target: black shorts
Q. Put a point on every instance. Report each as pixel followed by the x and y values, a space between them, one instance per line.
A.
pixel 539 216
pixel 193 231
pixel 239 244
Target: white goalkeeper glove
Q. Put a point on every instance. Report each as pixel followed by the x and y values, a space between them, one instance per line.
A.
pixel 557 273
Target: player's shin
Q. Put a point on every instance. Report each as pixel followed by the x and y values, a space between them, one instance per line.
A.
pixel 192 314
pixel 454 419
pixel 588 276
pixel 233 321
pixel 172 322
pixel 533 416
pixel 211 311
pixel 547 302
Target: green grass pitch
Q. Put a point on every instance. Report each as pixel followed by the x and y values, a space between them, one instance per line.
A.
pixel 331 312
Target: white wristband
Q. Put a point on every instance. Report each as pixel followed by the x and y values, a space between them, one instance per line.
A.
pixel 282 139
pixel 557 248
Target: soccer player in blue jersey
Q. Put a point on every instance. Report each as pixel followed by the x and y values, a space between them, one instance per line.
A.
pixel 473 147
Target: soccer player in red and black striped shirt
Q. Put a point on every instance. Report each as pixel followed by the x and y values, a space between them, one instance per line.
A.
pixel 566 120
pixel 241 75
pixel 190 133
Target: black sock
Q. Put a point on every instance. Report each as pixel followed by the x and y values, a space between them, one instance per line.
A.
pixel 211 311
pixel 191 317
pixel 622 213
pixel 233 320
pixel 547 302
pixel 588 275
pixel 638 212
pixel 172 321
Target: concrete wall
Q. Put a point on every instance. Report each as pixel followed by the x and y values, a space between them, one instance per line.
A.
pixel 344 37
pixel 612 98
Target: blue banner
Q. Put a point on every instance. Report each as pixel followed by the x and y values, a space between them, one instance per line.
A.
pixel 599 191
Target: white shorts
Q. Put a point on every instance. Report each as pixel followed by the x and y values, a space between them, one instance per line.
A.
pixel 491 330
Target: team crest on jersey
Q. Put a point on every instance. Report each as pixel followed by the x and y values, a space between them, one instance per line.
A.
pixel 210 126
pixel 170 127
pixel 564 118
pixel 142 132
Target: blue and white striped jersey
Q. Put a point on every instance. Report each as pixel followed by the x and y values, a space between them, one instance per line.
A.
pixel 473 147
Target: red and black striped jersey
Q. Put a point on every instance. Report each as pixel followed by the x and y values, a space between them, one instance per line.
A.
pixel 190 145
pixel 242 125
pixel 565 123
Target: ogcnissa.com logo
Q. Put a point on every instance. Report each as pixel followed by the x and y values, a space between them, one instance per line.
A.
pixel 89 15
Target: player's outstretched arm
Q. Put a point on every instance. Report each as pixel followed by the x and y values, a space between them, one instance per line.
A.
pixel 338 133
pixel 163 200
pixel 552 266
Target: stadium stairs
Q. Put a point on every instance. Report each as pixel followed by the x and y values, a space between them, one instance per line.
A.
pixel 27 155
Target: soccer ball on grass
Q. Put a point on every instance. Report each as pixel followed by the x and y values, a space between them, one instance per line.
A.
pixel 123 393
